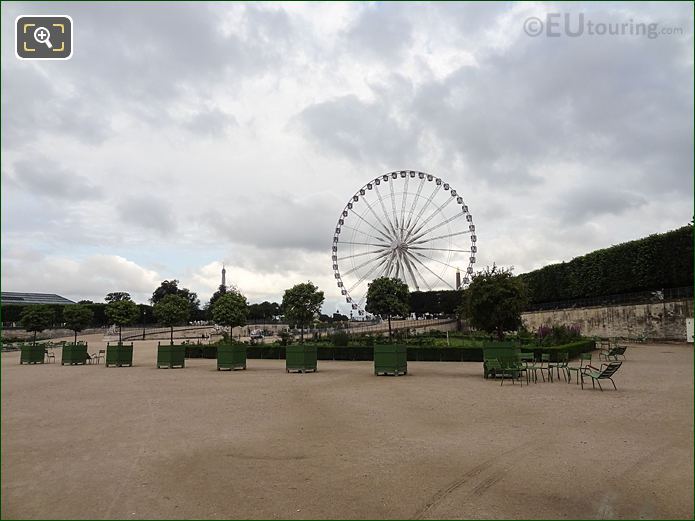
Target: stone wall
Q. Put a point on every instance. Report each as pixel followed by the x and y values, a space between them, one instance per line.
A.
pixel 657 320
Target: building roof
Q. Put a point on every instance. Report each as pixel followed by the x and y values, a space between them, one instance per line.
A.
pixel 10 297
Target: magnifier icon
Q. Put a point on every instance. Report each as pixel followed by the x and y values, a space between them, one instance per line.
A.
pixel 43 35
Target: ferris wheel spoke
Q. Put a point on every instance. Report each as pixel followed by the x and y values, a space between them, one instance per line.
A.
pixel 378 220
pixel 415 231
pixel 415 199
pixel 370 224
pixel 432 228
pixel 363 244
pixel 422 241
pixel 389 266
pixel 369 261
pixel 367 234
pixel 424 207
pixel 371 252
pixel 393 207
pixel 435 260
pixel 366 275
pixel 413 257
pixel 438 249
pixel 386 214
pixel 410 269
pixel 405 197
pixel 398 267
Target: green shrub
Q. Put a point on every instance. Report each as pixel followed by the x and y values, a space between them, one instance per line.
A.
pixel 573 349
pixel 558 335
pixel 340 339
pixel 286 338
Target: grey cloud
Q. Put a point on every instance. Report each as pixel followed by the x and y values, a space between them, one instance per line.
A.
pixel 588 202
pixel 276 221
pixel 34 107
pixel 600 104
pixel 135 62
pixel 44 177
pixel 382 31
pixel 361 131
pixel 211 122
pixel 147 212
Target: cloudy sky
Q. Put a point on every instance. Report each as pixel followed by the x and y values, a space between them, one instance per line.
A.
pixel 180 136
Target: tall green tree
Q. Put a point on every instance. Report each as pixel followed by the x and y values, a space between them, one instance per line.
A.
pixel 171 287
pixel 77 317
pixel 231 310
pixel 122 313
pixel 36 318
pixel 388 297
pixel 222 290
pixel 171 311
pixel 494 301
pixel 117 296
pixel 301 303
pixel 264 310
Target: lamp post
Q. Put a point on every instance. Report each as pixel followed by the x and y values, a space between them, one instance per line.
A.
pixel 143 321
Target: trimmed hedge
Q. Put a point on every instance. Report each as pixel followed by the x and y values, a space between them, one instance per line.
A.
pixel 656 262
pixel 659 261
pixel 418 353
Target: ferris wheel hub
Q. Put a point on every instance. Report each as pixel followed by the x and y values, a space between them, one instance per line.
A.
pixel 397 244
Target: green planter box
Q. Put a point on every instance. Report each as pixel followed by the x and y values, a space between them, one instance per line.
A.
pixel 74 354
pixel 300 358
pixel 391 360
pixel 31 354
pixel 170 356
pixel 231 357
pixel 119 355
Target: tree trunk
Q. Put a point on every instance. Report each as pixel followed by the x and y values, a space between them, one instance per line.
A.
pixel 119 335
pixel 75 337
pixel 34 337
pixel 500 334
pixel 172 335
pixel 389 316
pixel 301 334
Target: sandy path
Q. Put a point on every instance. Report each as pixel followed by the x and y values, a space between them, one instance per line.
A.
pixel 90 442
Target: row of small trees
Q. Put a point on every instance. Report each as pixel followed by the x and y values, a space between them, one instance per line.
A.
pixel 230 308
pixel 493 303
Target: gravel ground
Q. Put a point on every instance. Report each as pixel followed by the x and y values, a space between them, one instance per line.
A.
pixel 139 443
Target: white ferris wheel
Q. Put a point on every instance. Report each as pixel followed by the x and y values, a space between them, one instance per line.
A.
pixel 408 225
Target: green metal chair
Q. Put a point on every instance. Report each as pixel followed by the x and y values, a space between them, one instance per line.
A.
pixel 544 365
pixel 605 373
pixel 494 368
pixel 512 367
pixel 612 353
pixel 503 368
pixel 529 363
pixel 98 357
pixel 561 361
pixel 583 357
